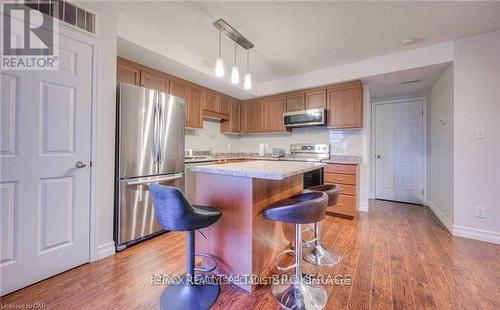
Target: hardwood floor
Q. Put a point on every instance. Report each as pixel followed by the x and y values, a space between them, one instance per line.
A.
pixel 399 256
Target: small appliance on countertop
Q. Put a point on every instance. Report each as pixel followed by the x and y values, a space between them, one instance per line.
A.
pixel 262 149
pixel 277 152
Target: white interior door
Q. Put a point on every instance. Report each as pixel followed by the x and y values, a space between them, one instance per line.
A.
pixel 45 197
pixel 399 151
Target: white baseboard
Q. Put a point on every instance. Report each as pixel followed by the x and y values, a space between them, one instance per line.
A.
pixel 465 232
pixel 105 250
pixel 363 207
pixel 477 234
pixel 442 218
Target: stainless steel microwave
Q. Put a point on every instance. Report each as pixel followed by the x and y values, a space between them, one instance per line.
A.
pixel 312 117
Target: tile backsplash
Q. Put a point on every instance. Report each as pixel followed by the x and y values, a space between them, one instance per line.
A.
pixel 209 138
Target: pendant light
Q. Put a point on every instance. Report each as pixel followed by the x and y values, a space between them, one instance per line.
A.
pixel 235 74
pixel 219 63
pixel 247 81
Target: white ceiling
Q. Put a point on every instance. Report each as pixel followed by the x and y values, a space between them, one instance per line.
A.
pixel 389 84
pixel 296 37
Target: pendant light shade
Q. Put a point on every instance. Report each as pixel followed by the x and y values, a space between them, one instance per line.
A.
pixel 219 63
pixel 219 67
pixel 235 73
pixel 247 80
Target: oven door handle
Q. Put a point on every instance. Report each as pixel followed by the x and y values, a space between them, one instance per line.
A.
pixel 140 181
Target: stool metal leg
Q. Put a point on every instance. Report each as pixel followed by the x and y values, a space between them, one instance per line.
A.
pixel 320 255
pixel 298 292
pixel 195 292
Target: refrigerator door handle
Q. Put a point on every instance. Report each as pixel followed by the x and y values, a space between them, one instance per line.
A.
pixel 161 99
pixel 140 181
pixel 155 128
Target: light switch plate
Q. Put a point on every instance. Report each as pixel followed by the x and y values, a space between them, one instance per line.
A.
pixel 480 134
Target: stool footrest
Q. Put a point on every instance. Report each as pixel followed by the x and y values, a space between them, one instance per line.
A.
pixel 280 268
pixel 310 243
pixel 211 258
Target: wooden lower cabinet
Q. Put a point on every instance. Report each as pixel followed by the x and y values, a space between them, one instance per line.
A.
pixel 345 176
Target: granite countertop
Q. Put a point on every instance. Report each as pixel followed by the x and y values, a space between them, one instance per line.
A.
pixel 260 169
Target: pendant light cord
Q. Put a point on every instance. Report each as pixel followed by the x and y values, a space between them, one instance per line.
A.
pixel 220 40
pixel 248 60
pixel 235 53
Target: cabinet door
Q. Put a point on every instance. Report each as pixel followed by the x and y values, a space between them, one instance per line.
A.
pixel 211 102
pixel 345 107
pixel 273 114
pixel 235 117
pixel 316 99
pixel 194 107
pixel 233 125
pixel 179 89
pixel 127 73
pixel 224 105
pixel 295 102
pixel 154 81
pixel 252 116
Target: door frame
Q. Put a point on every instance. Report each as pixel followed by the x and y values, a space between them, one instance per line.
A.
pixel 91 40
pixel 424 146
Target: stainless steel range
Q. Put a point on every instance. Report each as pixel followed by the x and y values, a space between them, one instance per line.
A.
pixel 311 153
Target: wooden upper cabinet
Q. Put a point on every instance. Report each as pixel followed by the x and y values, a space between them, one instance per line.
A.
pixel 233 125
pixel 178 88
pixel 224 106
pixel 127 72
pixel 295 102
pixel 154 80
pixel 273 109
pixel 345 106
pixel 194 106
pixel 211 102
pixel 252 116
pixel 316 99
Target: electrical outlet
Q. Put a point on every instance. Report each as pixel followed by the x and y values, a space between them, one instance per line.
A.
pixel 480 213
pixel 480 133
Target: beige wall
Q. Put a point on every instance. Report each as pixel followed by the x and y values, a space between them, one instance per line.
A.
pixel 440 117
pixel 477 162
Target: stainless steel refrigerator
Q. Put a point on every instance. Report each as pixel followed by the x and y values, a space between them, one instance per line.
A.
pixel 150 149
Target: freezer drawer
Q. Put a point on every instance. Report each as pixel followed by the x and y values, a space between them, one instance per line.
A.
pixel 135 213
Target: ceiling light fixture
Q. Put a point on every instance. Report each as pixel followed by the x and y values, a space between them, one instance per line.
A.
pixel 234 35
pixel 235 73
pixel 247 80
pixel 219 63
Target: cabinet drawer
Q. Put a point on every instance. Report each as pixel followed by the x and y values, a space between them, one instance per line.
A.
pixel 347 189
pixel 341 168
pixel 346 206
pixel 337 178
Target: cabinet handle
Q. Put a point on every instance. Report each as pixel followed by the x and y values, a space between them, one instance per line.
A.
pixel 340 204
pixel 340 179
pixel 341 190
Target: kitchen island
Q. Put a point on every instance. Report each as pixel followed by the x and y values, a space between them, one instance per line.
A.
pixel 243 242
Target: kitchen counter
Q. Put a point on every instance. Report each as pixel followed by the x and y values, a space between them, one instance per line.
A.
pixel 260 169
pixel 243 242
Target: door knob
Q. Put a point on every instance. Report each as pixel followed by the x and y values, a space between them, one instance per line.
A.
pixel 379 156
pixel 80 164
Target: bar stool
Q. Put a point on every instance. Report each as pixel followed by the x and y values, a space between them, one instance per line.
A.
pixel 304 208
pixel 173 212
pixel 320 255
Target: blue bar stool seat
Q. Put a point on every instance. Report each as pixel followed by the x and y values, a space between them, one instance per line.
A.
pixel 298 292
pixel 320 255
pixel 174 213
